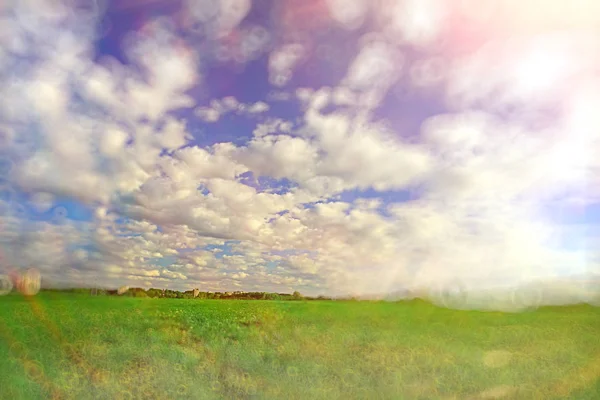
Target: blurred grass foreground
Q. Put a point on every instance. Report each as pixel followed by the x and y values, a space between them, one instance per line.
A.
pixel 74 346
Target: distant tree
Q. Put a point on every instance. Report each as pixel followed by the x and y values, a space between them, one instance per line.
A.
pixel 297 295
pixel 154 292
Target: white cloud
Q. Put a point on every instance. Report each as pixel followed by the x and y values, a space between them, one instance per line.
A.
pixel 377 64
pixel 195 163
pixel 219 108
pixel 527 72
pixel 282 62
pixel 240 275
pixel 42 202
pixel 258 107
pixel 219 17
pixel 419 22
pixel 279 156
pixel 344 96
pixel 173 135
pixel 377 67
pixel 350 14
pixel 208 114
pixel 363 155
pixel 173 275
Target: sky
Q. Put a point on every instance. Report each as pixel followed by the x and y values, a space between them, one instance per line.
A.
pixel 326 146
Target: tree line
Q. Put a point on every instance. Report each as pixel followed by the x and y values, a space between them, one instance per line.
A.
pixel 189 294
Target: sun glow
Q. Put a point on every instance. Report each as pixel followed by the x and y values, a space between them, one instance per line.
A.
pixel 541 68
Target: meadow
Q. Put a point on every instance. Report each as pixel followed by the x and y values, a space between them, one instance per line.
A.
pixel 70 346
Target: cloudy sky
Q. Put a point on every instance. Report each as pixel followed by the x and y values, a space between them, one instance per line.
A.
pixel 325 146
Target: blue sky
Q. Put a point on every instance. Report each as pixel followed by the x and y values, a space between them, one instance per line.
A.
pixel 317 145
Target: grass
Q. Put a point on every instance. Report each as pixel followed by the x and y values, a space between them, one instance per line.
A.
pixel 63 346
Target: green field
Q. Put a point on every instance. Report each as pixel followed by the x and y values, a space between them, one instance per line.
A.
pixel 66 346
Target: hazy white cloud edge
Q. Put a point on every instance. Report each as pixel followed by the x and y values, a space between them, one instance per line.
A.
pixel 167 211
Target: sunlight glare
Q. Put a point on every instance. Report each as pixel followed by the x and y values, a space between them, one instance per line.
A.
pixel 540 69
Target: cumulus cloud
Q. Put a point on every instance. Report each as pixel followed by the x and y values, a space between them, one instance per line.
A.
pixel 316 199
pixel 419 22
pixel 364 155
pixel 258 107
pixel 282 62
pixel 218 18
pixel 349 14
pixel 227 105
pixel 374 70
